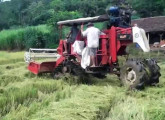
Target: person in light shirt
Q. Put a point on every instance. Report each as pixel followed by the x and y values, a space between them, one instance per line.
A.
pixel 92 33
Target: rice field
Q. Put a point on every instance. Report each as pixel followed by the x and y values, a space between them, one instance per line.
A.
pixel 24 96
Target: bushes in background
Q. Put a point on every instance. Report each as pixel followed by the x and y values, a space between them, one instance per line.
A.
pixel 25 38
pixel 41 36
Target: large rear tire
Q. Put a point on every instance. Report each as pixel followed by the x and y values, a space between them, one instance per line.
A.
pixel 133 74
pixel 154 71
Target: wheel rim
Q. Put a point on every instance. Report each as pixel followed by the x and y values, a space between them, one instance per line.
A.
pixel 130 76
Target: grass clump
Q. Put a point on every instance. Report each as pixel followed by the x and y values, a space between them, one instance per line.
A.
pixel 128 108
pixel 48 86
pixel 157 111
pixel 6 79
pixel 28 91
pixel 86 103
pixel 14 97
pixel 23 112
pixel 10 57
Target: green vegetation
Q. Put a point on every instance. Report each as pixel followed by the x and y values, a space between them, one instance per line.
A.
pixel 24 96
pixel 22 13
pixel 147 8
pixel 11 57
pixel 18 13
pixel 18 39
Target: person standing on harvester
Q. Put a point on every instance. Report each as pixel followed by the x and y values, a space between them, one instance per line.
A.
pixel 92 33
pixel 71 37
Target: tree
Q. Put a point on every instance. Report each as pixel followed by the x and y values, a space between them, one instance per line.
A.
pixel 34 12
pixel 150 8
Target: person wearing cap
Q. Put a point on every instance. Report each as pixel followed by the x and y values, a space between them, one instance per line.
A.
pixel 92 33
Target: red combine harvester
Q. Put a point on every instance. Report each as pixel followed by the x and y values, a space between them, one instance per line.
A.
pixel 135 73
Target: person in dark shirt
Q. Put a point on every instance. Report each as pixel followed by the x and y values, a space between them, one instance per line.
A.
pixel 71 37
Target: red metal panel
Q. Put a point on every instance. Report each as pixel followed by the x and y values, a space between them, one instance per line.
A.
pixel 47 67
pixel 60 48
pixel 34 67
pixel 43 67
pixel 112 44
pixel 104 46
pixel 122 44
pixel 104 52
pixel 59 61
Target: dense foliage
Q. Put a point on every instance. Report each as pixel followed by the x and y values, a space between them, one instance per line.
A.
pixel 22 38
pixel 149 8
pixel 16 14
pixel 33 12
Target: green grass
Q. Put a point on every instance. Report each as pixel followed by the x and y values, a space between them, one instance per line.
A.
pixel 15 38
pixel 10 57
pixel 24 96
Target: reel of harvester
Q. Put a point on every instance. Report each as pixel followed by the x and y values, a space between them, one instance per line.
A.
pixel 34 54
pixel 41 60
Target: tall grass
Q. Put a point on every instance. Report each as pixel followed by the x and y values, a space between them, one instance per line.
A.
pixel 13 96
pixel 21 38
pixel 23 112
pixel 37 37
